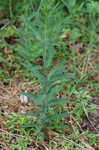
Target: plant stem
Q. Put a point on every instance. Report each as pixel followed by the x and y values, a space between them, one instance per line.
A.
pixel 45 110
pixel 10 7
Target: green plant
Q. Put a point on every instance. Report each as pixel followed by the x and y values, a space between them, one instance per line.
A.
pixel 73 6
pixel 93 139
pixel 22 137
pixel 45 100
pixel 81 103
pixel 13 9
pixel 45 31
pixel 39 40
pixel 91 12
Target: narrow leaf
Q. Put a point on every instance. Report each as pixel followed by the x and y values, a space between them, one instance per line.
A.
pixel 58 69
pixel 35 71
pixel 29 125
pixel 49 54
pixel 67 5
pixel 58 116
pixel 59 101
pixel 63 77
pixel 56 80
pixel 30 67
pixel 31 114
pixel 29 95
pixel 53 92
pixel 40 99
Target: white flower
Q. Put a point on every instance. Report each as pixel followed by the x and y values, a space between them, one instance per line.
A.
pixel 24 99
